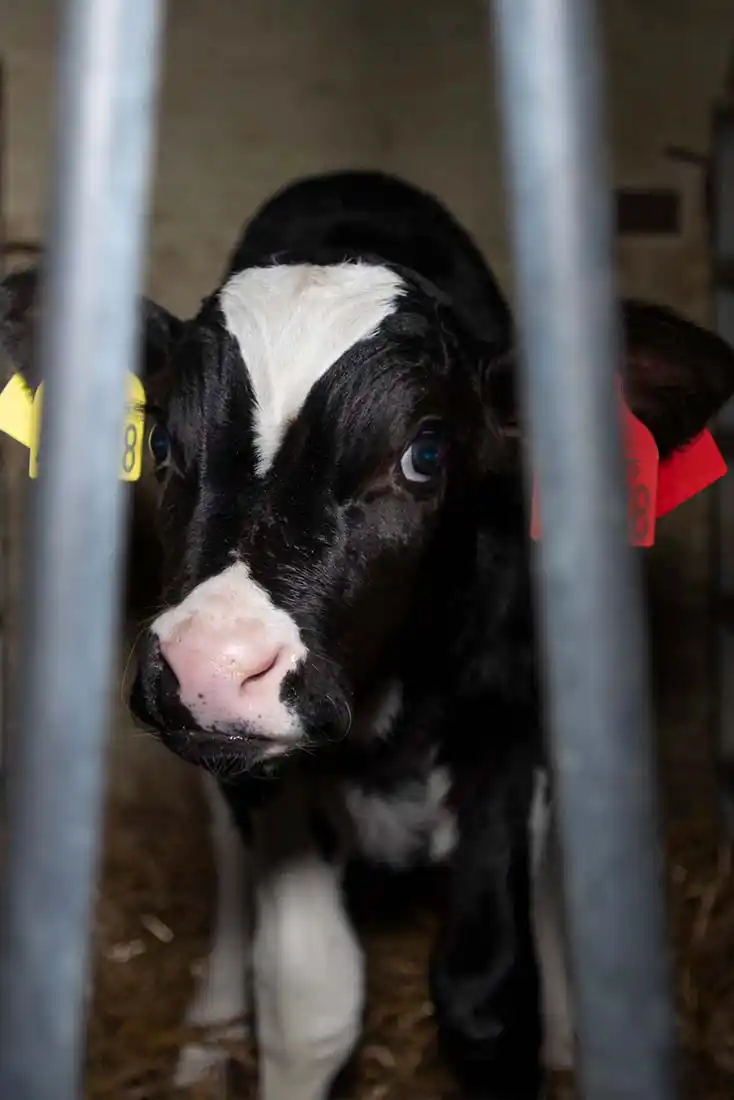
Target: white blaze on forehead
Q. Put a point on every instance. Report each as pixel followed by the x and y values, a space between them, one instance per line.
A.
pixel 293 322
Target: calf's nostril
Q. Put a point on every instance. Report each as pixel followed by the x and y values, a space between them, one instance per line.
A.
pixel 260 670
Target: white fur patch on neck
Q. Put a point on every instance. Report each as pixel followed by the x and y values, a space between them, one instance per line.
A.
pixel 293 322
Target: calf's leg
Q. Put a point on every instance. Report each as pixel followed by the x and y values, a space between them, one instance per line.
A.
pixel 222 999
pixel 307 962
pixel 484 975
pixel 548 916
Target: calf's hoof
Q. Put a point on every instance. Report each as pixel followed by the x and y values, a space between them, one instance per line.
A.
pixel 198 1061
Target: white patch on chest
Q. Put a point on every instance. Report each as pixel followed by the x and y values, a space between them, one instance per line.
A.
pixel 404 825
pixel 293 322
pixel 378 716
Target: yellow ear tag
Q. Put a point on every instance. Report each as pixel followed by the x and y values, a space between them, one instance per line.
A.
pixel 133 441
pixel 16 410
pixel 35 431
pixel 131 459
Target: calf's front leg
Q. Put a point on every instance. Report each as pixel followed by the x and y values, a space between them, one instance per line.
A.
pixel 222 999
pixel 484 976
pixel 548 913
pixel 307 962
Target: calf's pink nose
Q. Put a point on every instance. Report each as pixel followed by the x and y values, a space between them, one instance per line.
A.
pixel 226 672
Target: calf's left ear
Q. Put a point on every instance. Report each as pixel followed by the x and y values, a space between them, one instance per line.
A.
pixel 19 309
pixel 18 324
pixel 677 375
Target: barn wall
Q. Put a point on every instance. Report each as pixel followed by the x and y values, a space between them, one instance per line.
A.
pixel 257 93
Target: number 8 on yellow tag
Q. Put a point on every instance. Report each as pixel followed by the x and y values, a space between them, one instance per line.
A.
pixel 133 431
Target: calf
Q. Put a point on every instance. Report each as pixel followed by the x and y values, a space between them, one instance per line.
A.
pixel 347 645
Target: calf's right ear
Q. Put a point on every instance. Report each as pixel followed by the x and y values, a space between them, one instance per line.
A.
pixel 677 376
pixel 19 308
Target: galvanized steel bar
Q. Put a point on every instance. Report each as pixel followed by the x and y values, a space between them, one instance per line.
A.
pixel 105 94
pixel 587 582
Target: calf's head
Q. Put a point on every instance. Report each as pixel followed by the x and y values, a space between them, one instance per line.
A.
pixel 330 442
pixel 319 425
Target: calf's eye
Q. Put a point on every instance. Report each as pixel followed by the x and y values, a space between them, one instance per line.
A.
pixel 424 459
pixel 159 445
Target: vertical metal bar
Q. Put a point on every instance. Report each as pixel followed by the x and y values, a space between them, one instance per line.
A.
pixel 105 97
pixel 587 585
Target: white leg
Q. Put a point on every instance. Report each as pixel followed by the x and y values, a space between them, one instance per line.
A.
pixel 559 1043
pixel 308 972
pixel 222 999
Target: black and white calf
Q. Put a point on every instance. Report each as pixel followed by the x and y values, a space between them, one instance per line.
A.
pixel 347 645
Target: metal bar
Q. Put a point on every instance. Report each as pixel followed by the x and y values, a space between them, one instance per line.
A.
pixel 587 584
pixel 105 96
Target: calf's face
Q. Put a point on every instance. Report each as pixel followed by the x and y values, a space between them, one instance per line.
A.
pixel 324 434
pixel 317 426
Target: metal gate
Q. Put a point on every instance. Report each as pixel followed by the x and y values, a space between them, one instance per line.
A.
pixel 586 579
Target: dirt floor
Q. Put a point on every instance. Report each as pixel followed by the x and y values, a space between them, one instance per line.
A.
pixel 154 910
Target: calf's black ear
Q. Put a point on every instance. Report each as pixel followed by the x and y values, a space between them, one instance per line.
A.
pixel 18 324
pixel 677 376
pixel 160 331
pixel 19 306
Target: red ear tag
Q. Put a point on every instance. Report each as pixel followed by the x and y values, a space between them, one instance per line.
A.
pixel 688 472
pixel 641 463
